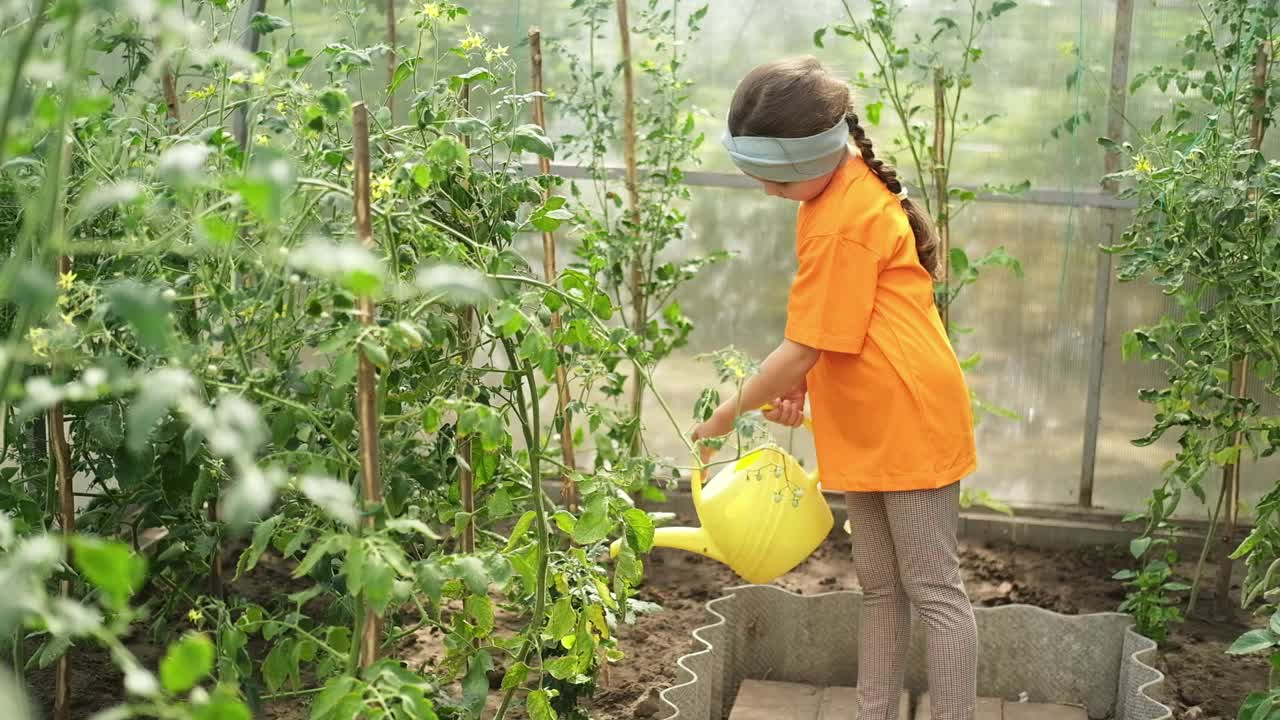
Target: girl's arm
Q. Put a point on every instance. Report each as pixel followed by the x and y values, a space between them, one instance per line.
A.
pixel 781 372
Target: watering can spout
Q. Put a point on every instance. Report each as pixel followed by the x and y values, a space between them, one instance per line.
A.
pixel 689 539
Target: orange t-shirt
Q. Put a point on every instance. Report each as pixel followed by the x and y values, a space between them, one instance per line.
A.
pixel 890 407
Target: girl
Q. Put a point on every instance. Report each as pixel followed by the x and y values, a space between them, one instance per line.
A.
pixel 891 415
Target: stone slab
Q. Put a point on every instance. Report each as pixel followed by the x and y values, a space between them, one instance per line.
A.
pixel 997 709
pixel 768 700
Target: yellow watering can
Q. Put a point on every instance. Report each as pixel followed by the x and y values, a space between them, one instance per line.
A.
pixel 761 516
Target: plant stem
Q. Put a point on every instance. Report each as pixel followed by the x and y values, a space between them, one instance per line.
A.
pixel 1204 551
pixel 532 433
pixel 15 79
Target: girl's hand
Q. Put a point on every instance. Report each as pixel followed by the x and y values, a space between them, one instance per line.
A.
pixel 788 410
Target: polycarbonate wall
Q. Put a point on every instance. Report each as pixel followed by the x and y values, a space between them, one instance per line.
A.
pixel 1033 333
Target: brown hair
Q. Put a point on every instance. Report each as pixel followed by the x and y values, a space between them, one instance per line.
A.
pixel 797 97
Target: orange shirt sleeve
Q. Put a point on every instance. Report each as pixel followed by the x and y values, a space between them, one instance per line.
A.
pixel 833 294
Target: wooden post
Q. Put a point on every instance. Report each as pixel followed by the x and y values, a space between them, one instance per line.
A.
pixel 1240 369
pixel 172 108
pixel 367 381
pixel 251 43
pixel 1119 93
pixel 391 56
pixel 639 301
pixel 940 190
pixel 61 452
pixel 568 491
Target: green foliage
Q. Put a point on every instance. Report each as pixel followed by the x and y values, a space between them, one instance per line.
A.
pixel 205 348
pixel 1153 593
pixel 1208 202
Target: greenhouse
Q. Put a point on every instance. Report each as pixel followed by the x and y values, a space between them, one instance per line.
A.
pixel 603 359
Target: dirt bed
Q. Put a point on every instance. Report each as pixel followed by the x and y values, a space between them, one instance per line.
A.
pixel 1203 682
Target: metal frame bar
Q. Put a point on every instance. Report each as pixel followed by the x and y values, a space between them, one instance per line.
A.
pixel 1120 46
pixel 1091 199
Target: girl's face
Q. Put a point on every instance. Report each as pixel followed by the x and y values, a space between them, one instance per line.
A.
pixel 802 191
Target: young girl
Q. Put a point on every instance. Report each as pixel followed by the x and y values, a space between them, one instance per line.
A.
pixel 891 415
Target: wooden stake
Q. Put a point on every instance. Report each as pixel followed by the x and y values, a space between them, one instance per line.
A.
pixel 61 451
pixel 367 381
pixel 639 302
pixel 172 108
pixel 940 191
pixel 391 56
pixel 1240 369
pixel 568 490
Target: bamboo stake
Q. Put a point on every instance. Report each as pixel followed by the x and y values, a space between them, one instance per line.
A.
pixel 1240 370
pixel 391 56
pixel 568 491
pixel 940 191
pixel 639 302
pixel 367 382
pixel 61 451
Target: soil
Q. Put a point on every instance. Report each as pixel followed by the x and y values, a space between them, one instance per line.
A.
pixel 1202 681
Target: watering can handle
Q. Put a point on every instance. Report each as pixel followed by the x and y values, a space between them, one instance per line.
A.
pixel 695 480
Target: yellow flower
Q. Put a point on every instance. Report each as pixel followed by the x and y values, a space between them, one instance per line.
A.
pixel 281 107
pixel 494 53
pixel 1142 165
pixel 195 616
pixel 472 41
pixel 263 139
pixel 259 78
pixel 381 186
pixel 203 93
pixel 68 319
pixel 66 279
pixel 238 78
pixel 432 11
pixel 39 339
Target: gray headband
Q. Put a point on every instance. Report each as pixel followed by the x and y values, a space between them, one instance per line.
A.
pixel 788 159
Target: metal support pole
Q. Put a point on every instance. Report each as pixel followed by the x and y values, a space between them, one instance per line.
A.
pixel 1120 45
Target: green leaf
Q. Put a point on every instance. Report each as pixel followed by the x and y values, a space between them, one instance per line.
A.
pixel 1001 7
pixel 562 668
pixel 279 665
pixel 328 546
pixel 262 534
pixel 475 686
pixel 593 526
pixel 221 705
pixel 268 181
pixel 110 566
pixel 471 570
pixel 818 35
pixel 563 619
pixel 105 425
pixel 480 610
pixel 186 663
pixel 158 392
pixel 146 311
pixel 403 72
pixel 265 24
pixel 1274 625
pixel 1138 546
pixel 336 499
pixel 515 676
pixel 874 110
pixel 530 138
pixel 538 706
pixel 518 532
pixel 1252 642
pixel 640 529
pixel 335 691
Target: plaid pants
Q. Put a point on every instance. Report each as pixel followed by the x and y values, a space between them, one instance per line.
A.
pixel 904 551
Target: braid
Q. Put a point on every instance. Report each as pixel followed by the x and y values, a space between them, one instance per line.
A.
pixel 922 228
pixel 887 173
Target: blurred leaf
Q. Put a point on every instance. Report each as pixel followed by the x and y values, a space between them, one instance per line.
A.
pixel 455 285
pixel 186 662
pixel 475 686
pixel 874 110
pixel 262 534
pixel 145 309
pixel 337 499
pixel 1139 546
pixel 265 24
pixel 158 391
pixel 110 566
pixel 530 138
pixel 182 166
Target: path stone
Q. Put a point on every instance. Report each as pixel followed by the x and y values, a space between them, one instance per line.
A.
pixel 996 709
pixel 768 700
